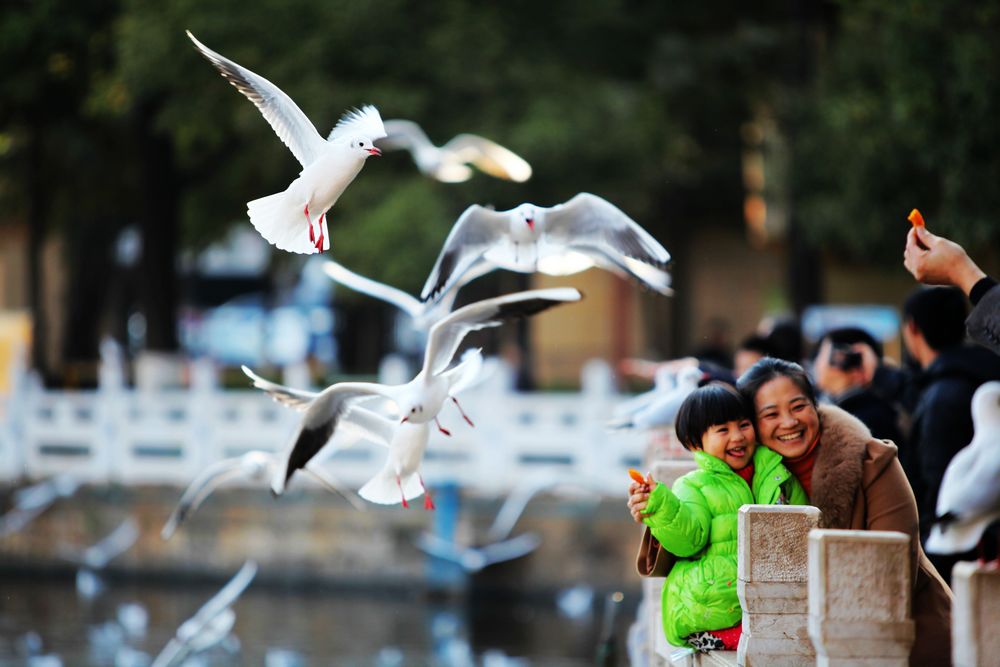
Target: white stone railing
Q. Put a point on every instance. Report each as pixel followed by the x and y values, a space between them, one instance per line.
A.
pixel 831 597
pixel 132 436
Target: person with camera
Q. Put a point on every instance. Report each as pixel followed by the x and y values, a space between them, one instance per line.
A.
pixel 951 371
pixel 844 368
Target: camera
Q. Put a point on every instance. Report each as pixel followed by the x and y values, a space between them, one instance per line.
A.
pixel 845 358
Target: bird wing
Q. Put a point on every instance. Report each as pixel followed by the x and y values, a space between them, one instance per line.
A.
pixel 475 231
pixel 515 547
pixel 172 654
pixel 319 423
pixel 213 476
pixel 447 334
pixel 408 304
pixel 403 135
pixel 226 596
pixel 466 374
pixel 289 123
pixel 440 548
pixel 971 484
pixel 293 398
pixel 587 220
pixel 332 484
pixel 653 277
pixel 489 157
pixel 116 543
pixel 16 519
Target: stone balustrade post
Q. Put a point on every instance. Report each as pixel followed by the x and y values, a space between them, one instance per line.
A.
pixel 975 615
pixel 772 584
pixel 859 598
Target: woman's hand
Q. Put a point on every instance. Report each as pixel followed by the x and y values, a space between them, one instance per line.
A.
pixel 638 497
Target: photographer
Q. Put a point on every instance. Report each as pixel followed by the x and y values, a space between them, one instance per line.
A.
pixel 845 363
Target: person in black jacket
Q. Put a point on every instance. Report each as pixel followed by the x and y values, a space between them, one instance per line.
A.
pixel 934 332
pixel 844 378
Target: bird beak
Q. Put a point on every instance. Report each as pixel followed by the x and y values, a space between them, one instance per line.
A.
pixel 374 151
pixel 531 223
pixel 404 420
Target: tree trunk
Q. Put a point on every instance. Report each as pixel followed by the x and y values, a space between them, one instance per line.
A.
pixel 158 220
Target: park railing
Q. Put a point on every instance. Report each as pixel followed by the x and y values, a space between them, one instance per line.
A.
pixel 120 435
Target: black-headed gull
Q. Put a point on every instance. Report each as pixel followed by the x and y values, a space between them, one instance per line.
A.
pixel 584 232
pixel 328 165
pixel 211 624
pixel 969 499
pixel 662 410
pixel 449 163
pixel 420 400
pixel 256 466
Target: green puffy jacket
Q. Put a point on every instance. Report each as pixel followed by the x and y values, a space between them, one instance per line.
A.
pixel 697 523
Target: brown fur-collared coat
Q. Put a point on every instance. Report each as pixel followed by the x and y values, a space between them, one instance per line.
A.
pixel 858 484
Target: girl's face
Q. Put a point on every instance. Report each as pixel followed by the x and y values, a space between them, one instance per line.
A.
pixel 732 442
pixel 786 418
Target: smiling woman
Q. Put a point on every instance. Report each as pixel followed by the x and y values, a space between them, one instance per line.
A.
pixel 854 479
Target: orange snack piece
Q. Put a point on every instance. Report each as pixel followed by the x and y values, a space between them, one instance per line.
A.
pixel 636 475
pixel 916 218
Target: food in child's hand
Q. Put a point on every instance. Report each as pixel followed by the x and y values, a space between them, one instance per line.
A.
pixel 636 475
pixel 916 218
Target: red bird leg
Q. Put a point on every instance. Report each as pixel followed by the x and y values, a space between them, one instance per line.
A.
pixel 464 416
pixel 309 222
pixel 428 502
pixel 441 428
pixel 402 495
pixel 322 233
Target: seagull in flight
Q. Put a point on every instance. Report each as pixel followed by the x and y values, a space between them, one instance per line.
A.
pixel 568 238
pixel 328 165
pixel 418 401
pixel 969 499
pixel 31 501
pixel 661 410
pixel 211 624
pixel 450 163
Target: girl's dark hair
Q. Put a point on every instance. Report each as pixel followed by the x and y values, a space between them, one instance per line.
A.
pixel 768 369
pixel 715 403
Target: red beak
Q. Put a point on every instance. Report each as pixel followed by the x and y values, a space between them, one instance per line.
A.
pixel 374 151
pixel 531 223
pixel 404 420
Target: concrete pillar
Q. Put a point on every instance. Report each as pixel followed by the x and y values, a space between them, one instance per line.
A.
pixel 975 616
pixel 859 598
pixel 772 584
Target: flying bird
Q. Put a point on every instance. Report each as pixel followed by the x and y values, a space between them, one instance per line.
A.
pixel 969 499
pixel 418 401
pixel 211 624
pixel 662 411
pixel 474 559
pixel 31 501
pixel 449 163
pixel 328 165
pixel 568 238
pixel 256 466
pixel 96 557
pixel 664 379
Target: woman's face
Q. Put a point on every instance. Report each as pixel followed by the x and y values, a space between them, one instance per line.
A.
pixel 787 421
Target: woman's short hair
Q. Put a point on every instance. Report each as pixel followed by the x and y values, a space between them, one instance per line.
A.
pixel 768 369
pixel 715 403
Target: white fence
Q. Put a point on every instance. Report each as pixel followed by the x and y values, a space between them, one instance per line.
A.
pixel 139 437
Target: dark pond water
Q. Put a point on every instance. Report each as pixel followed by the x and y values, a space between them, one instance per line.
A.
pixel 323 626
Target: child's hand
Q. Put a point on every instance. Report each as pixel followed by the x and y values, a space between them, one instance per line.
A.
pixel 638 497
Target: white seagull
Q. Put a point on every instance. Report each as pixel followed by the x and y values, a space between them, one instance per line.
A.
pixel 969 499
pixel 664 380
pixel 211 624
pixel 261 466
pixel 418 401
pixel 328 165
pixel 586 231
pixel 662 411
pixel 449 163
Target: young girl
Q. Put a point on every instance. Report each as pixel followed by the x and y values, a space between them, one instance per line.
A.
pixel 696 521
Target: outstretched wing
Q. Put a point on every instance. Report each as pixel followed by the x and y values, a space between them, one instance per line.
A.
pixel 116 543
pixel 447 334
pixel 489 157
pixel 226 596
pixel 212 477
pixel 278 109
pixel 587 220
pixel 293 398
pixel 475 231
pixel 403 135
pixel 397 297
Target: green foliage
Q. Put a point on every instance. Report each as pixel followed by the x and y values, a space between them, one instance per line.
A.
pixel 902 115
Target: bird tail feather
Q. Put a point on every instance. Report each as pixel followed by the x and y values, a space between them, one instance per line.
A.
pixel 282 223
pixel 957 537
pixel 383 490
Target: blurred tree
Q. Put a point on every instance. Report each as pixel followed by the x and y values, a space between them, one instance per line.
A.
pixel 902 115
